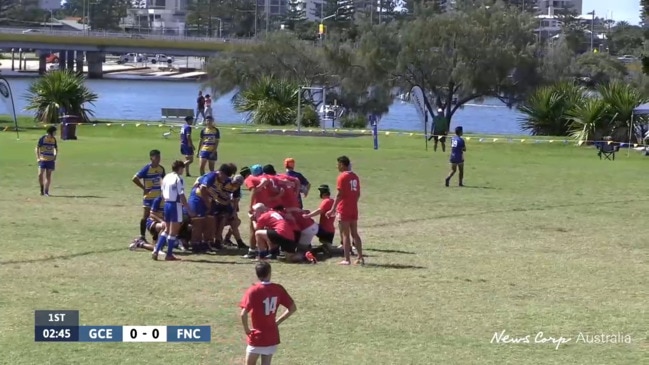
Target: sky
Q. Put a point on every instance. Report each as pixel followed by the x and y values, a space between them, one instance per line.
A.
pixel 627 10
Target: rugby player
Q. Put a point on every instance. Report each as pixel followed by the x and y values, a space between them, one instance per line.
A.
pixel 232 219
pixel 305 186
pixel 148 179
pixel 326 225
pixel 458 147
pixel 345 207
pixel 186 143
pixel 261 191
pixel 173 192
pixel 46 152
pixel 209 143
pixel 272 230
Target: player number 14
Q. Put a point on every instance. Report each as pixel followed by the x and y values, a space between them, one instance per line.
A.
pixel 270 305
pixel 353 185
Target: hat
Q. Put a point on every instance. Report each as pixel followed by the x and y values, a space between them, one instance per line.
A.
pixel 289 163
pixel 238 179
pixel 324 189
pixel 256 170
pixel 245 172
pixel 269 170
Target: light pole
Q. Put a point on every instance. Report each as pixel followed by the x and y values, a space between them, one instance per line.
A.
pixel 267 10
pixel 324 31
pixel 51 20
pixel 592 30
pixel 220 24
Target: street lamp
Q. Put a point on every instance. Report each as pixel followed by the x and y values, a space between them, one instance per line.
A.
pixel 322 27
pixel 592 30
pixel 220 24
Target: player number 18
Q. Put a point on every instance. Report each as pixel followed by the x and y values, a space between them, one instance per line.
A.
pixel 353 185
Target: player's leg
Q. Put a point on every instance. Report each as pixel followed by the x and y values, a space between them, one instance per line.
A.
pixel 48 180
pixel 435 140
pixel 41 178
pixel 146 211
pixel 189 158
pixel 211 163
pixel 356 239
pixel 162 240
pixel 251 359
pixel 266 359
pixel 451 173
pixel 208 231
pixel 202 162
pixel 219 225
pixel 175 222
pixel 252 251
pixel 343 227
pixel 442 141
pixel 460 167
pixel 263 243
pixel 306 236
pixel 198 227
pixel 235 223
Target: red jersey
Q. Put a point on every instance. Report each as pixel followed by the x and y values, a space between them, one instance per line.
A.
pixel 262 301
pixel 291 196
pixel 349 188
pixel 273 187
pixel 275 220
pixel 301 222
pixel 326 223
pixel 261 195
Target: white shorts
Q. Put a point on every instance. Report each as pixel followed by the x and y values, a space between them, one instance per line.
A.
pixel 266 350
pixel 307 235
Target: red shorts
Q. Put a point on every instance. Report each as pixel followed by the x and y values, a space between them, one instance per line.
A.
pixel 347 215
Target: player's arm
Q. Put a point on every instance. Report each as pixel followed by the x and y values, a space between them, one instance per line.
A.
pixel 37 149
pixel 217 138
pixel 287 302
pixel 183 199
pixel 244 321
pixel 189 137
pixel 304 182
pixel 315 213
pixel 56 149
pixel 137 179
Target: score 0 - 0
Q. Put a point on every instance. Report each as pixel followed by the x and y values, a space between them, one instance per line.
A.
pixel 144 334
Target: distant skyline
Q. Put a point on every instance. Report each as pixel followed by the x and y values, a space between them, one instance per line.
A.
pixel 619 10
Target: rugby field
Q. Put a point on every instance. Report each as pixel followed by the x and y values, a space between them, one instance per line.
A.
pixel 544 238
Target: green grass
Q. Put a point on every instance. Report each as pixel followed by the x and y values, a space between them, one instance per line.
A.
pixel 545 237
pixel 181 44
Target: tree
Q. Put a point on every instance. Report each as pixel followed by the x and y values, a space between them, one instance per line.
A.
pixel 296 14
pixel 597 69
pixel 546 109
pixel 22 12
pixel 573 31
pixel 273 101
pixel 482 52
pixel 107 14
pixel 626 39
pixel 58 90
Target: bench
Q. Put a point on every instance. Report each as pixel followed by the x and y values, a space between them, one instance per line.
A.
pixel 175 114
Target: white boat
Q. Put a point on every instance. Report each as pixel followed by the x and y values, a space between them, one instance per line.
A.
pixel 330 112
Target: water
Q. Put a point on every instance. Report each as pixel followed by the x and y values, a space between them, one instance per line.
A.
pixel 142 100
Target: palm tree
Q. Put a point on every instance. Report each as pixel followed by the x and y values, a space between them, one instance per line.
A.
pixel 59 91
pixel 621 99
pixel 588 119
pixel 273 101
pixel 546 110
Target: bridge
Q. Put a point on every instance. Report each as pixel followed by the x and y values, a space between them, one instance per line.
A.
pixel 94 44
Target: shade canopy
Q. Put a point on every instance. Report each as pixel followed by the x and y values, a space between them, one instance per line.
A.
pixel 642 109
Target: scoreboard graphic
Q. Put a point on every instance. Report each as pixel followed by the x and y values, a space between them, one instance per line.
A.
pixel 63 326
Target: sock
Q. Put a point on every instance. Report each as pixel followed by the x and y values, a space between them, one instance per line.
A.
pixel 171 243
pixel 161 242
pixel 263 253
pixel 142 227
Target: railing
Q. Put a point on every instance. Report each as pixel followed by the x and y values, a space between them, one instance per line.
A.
pixel 123 35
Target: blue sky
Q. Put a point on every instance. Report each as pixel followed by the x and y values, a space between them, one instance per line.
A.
pixel 627 10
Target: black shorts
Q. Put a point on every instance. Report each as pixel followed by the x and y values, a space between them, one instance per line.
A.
pixel 439 138
pixel 324 236
pixel 283 243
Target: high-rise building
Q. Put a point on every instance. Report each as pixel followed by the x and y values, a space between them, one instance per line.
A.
pixel 273 7
pixel 549 7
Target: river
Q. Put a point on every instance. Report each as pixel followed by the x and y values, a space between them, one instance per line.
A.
pixel 142 100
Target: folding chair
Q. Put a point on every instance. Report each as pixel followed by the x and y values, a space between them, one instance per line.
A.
pixel 607 150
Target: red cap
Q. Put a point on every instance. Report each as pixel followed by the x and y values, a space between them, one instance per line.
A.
pixel 289 163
